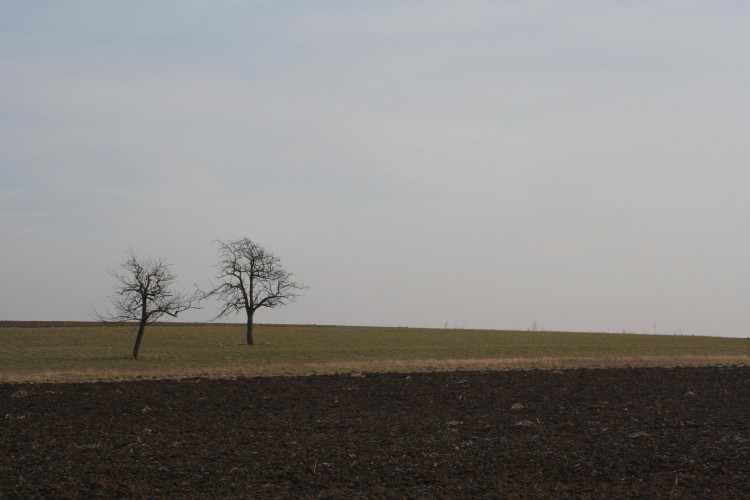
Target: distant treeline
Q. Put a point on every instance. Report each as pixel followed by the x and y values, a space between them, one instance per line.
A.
pixel 69 324
pixel 47 324
pixel 80 324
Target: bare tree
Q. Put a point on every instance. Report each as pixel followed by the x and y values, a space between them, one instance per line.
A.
pixel 144 293
pixel 250 277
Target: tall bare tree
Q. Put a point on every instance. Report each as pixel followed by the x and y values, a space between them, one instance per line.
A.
pixel 251 277
pixel 144 293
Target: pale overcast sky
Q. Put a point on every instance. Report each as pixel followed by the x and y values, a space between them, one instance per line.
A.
pixel 485 164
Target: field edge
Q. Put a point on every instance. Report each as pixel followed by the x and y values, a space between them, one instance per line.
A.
pixel 362 368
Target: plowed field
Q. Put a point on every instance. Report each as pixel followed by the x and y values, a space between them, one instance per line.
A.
pixel 678 432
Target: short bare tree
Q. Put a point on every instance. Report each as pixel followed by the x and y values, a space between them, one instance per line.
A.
pixel 250 277
pixel 144 293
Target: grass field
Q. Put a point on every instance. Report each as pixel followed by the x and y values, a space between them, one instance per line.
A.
pixel 91 351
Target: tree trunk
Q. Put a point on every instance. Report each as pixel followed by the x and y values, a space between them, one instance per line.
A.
pixel 250 313
pixel 141 328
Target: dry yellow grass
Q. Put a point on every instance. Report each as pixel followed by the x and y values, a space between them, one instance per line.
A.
pixel 362 368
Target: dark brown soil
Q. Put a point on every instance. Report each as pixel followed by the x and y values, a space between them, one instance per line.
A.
pixel 680 432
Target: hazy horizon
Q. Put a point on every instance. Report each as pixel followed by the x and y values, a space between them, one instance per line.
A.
pixel 493 165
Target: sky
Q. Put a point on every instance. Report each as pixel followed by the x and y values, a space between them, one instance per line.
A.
pixel 563 165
